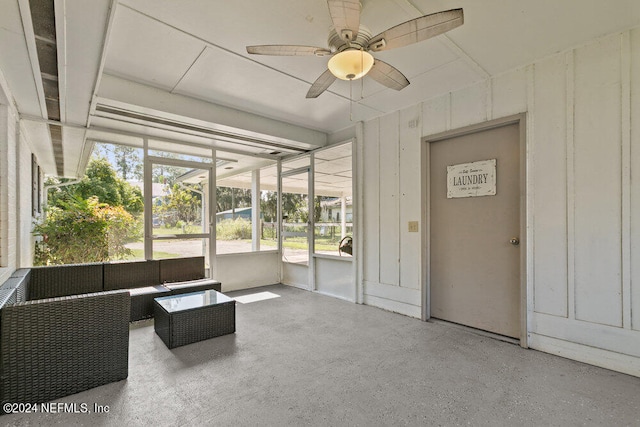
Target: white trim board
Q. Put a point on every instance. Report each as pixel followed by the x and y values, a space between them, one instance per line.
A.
pixel 594 356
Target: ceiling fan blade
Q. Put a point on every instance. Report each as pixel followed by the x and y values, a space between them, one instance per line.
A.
pixel 345 15
pixel 287 50
pixel 388 75
pixel 321 84
pixel 417 30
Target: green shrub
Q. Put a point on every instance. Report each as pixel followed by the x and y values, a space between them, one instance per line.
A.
pixel 233 229
pixel 269 231
pixel 82 231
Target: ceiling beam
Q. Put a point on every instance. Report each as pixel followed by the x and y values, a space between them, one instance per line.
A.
pixel 103 58
pixel 61 44
pixel 30 40
pixel 226 118
pixel 104 138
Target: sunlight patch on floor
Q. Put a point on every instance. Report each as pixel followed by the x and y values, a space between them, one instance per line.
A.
pixel 260 296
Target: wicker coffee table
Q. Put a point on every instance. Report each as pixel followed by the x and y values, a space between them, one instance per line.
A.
pixel 188 318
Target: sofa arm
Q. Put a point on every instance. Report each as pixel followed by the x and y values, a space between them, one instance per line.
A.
pixel 60 346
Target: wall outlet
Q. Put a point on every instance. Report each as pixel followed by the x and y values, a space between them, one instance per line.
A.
pixel 413 226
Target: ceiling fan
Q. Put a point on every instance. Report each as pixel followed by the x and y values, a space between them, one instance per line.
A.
pixel 350 43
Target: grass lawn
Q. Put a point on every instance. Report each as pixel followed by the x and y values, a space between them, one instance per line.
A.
pixel 190 229
pixel 300 243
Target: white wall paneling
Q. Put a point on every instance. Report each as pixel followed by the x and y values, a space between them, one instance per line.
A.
pixel 358 187
pixel 469 106
pixel 334 277
pixel 570 187
pixel 393 298
pixel 371 201
pixel 598 182
pixel 265 270
pixel 389 200
pixel 625 137
pixel 410 206
pixel 509 94
pixel 295 275
pixel 435 115
pixel 634 208
pixel 583 226
pixel 592 355
pixel 550 199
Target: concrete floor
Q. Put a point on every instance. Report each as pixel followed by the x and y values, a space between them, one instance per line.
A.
pixel 308 359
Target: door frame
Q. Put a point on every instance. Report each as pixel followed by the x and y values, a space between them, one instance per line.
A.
pixel 309 171
pixel 149 238
pixel 520 120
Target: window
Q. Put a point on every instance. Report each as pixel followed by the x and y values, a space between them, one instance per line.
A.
pixel 295 210
pixel 36 184
pixel 246 204
pixel 96 218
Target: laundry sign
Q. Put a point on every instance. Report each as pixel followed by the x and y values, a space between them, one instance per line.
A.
pixel 471 179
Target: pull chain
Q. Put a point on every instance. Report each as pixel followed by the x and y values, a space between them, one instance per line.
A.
pixel 351 85
pixel 361 68
pixel 361 88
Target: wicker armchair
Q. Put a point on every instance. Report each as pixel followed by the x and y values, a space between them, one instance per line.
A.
pixel 55 347
pixel 65 329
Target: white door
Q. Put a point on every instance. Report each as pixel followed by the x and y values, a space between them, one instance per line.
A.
pixel 179 222
pixel 296 227
pixel 474 234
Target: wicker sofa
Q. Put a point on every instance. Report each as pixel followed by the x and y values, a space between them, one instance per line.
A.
pixel 65 329
pixel 145 280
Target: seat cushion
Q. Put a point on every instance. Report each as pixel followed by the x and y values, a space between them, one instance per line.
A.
pixel 142 301
pixel 158 289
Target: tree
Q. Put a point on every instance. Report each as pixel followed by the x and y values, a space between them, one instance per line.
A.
pixel 186 204
pixel 166 174
pixel 100 181
pixel 128 162
pixel 294 206
pixel 269 206
pixel 228 198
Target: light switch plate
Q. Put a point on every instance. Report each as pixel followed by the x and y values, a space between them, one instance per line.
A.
pixel 413 226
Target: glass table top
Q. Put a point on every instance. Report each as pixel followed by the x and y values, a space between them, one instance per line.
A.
pixel 174 303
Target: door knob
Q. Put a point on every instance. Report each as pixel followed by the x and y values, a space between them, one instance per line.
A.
pixel 514 241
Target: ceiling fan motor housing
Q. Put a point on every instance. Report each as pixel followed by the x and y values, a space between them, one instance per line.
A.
pixel 336 44
pixel 350 57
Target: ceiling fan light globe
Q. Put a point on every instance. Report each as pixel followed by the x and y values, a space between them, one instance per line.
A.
pixel 351 64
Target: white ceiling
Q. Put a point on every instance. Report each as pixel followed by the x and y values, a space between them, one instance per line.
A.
pixel 185 61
